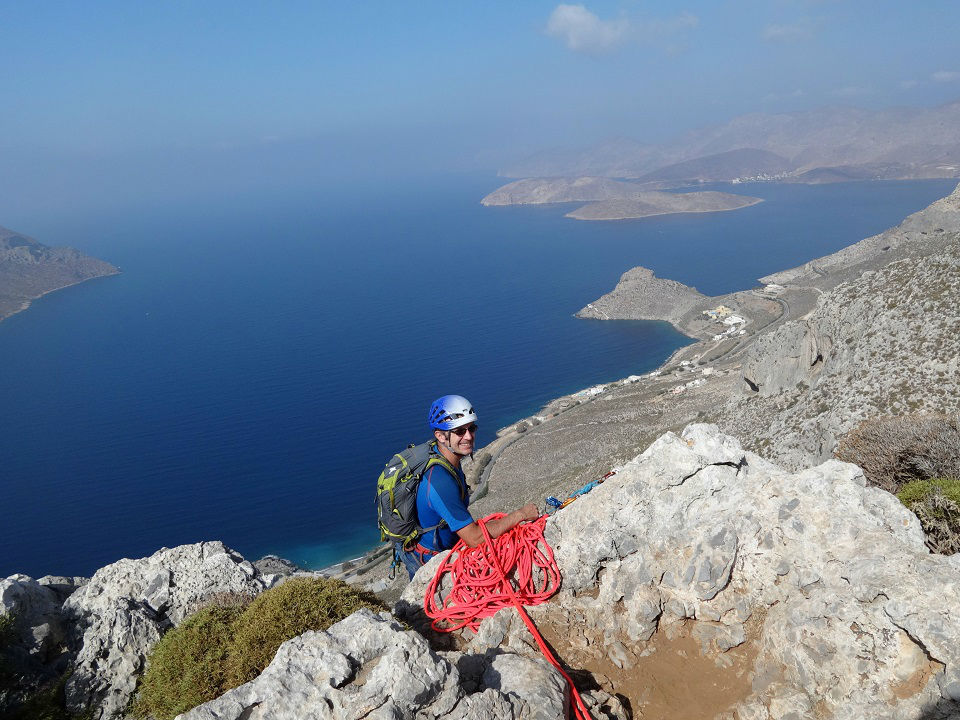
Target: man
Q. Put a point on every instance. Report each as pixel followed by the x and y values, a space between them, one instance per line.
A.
pixel 442 496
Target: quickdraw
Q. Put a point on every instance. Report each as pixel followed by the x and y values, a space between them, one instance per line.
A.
pixel 560 504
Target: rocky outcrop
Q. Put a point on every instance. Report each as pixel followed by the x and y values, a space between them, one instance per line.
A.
pixel 778 595
pixel 641 295
pixel 123 610
pixel 370 666
pixel 35 644
pixel 29 269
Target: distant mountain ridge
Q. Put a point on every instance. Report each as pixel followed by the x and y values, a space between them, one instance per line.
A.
pixel 896 143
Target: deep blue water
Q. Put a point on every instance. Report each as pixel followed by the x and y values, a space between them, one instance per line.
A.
pixel 260 357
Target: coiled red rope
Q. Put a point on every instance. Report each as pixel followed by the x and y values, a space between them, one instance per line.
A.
pixel 481 585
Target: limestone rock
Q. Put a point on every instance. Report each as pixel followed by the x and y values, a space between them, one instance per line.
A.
pixel 855 617
pixel 819 586
pixel 369 666
pixel 35 650
pixel 126 607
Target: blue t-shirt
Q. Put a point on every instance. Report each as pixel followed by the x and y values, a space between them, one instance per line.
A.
pixel 439 497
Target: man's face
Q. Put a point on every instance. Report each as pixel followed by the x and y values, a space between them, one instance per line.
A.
pixel 461 439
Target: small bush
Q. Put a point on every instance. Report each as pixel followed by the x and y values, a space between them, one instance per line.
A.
pixel 894 451
pixel 188 666
pixel 285 612
pixel 936 503
pixel 232 640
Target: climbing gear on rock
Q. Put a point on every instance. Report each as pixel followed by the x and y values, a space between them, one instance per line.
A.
pixel 560 504
pixel 397 492
pixel 481 585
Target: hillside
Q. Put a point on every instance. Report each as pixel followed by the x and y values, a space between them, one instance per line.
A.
pixel 29 270
pixel 801 146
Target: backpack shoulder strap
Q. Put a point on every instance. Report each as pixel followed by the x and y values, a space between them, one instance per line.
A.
pixel 437 459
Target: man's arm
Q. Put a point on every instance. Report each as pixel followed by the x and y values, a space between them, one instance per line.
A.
pixel 472 535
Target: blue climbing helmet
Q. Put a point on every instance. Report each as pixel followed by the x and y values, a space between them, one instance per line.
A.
pixel 451 411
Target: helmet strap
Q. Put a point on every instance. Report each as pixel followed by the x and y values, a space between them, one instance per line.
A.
pixel 448 447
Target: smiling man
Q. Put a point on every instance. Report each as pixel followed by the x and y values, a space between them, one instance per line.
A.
pixel 442 495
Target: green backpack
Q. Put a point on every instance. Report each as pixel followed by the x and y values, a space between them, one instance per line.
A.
pixel 397 492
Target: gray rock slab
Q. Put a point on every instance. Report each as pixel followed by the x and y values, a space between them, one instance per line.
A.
pixel 124 609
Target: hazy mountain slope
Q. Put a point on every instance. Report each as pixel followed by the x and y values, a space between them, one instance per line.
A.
pixel 896 143
pixel 723 166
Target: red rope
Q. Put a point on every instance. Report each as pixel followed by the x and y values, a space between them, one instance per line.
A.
pixel 481 585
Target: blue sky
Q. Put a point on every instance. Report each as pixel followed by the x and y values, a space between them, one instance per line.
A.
pixel 437 85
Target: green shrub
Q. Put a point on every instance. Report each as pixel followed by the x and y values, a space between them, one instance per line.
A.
pixel 918 490
pixel 231 641
pixel 188 666
pixel 936 503
pixel 285 612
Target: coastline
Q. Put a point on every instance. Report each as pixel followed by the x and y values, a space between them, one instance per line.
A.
pixel 691 385
pixel 25 305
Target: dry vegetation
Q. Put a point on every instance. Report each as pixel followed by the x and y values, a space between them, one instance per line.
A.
pixel 916 457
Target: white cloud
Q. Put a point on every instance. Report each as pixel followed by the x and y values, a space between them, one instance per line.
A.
pixel 582 31
pixel 786 33
pixel 945 76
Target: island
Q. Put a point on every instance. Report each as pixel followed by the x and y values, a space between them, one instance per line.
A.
pixel 609 199
pixel 29 270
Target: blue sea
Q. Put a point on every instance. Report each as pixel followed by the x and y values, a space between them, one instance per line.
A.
pixel 261 356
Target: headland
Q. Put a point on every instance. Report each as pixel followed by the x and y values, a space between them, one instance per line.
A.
pixel 30 270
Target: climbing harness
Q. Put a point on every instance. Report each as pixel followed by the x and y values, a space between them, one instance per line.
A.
pixel 560 504
pixel 482 586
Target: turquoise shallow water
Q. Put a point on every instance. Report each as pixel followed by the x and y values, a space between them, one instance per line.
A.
pixel 259 358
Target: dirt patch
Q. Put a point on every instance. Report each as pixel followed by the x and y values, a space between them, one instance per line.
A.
pixel 914 684
pixel 668 676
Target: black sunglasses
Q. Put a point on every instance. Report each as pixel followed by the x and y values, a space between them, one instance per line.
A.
pixel 462 430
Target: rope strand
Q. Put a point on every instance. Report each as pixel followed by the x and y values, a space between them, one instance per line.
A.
pixel 481 585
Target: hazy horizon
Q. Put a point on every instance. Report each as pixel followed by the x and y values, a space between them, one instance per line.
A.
pixel 114 104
